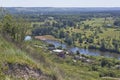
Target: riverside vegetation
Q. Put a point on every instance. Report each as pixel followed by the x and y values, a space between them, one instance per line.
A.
pixel 21 60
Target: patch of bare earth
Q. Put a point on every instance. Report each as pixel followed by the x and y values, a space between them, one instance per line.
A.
pixel 45 37
pixel 25 72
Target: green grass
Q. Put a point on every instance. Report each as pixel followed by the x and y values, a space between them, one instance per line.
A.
pixel 40 57
pixel 66 69
pixel 9 53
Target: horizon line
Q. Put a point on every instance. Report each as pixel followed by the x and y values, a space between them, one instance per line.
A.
pixel 60 7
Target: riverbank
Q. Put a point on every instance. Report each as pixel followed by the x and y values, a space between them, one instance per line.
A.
pixel 50 37
pixel 91 52
pixel 87 51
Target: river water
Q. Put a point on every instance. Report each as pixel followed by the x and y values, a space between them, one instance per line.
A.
pixel 91 52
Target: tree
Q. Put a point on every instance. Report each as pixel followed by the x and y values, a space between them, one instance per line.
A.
pixel 102 46
pixel 69 40
pixel 7 24
pixel 77 52
pixel 16 29
pixel 117 23
pixel 61 34
pixel 80 40
pixel 90 40
pixel 22 28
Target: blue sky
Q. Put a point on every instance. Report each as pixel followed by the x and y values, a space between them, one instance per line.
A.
pixel 60 3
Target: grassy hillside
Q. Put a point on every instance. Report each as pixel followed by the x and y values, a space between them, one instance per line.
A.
pixel 67 69
pixel 37 63
pixel 17 64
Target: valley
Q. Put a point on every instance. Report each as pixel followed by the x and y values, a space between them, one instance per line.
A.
pixel 65 44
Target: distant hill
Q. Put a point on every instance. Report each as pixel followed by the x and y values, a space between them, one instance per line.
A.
pixel 59 10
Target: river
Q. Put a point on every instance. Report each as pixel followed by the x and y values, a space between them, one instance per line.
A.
pixel 91 52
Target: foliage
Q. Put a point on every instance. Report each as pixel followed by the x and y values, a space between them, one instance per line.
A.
pixel 98 32
pixel 16 29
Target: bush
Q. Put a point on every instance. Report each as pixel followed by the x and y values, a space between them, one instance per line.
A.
pixel 108 74
pixel 106 63
pixel 94 68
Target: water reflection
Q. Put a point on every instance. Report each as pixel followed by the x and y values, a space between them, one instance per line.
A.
pixel 84 51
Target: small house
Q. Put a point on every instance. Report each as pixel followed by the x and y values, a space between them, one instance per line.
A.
pixel 59 53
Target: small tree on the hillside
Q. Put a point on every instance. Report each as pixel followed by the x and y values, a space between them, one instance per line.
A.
pixel 7 24
pixel 15 29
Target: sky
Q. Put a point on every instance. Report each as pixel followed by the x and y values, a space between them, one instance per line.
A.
pixel 60 3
